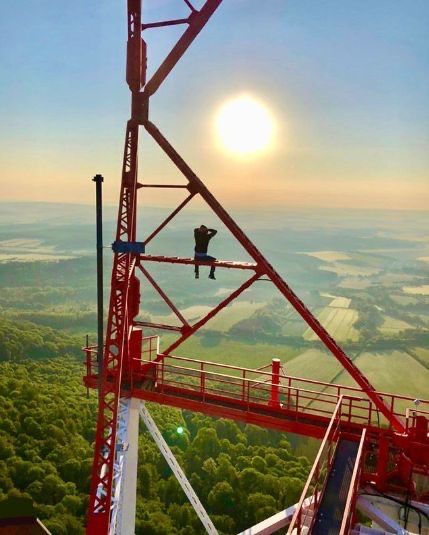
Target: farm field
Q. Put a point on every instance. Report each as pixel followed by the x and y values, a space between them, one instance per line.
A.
pixel 348 270
pixel 252 355
pixel 193 313
pixel 393 325
pixel 417 290
pixel 222 322
pixel 422 355
pixel 233 314
pixel 338 322
pixel 340 302
pixel 392 371
pixel 313 364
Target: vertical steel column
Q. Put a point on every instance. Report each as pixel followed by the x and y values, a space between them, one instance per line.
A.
pixel 98 179
pixel 275 382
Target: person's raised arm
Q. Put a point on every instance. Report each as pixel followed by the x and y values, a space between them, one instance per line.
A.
pixel 212 232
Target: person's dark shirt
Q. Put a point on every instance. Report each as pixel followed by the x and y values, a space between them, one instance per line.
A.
pixel 202 239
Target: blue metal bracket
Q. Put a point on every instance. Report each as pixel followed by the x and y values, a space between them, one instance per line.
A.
pixel 136 247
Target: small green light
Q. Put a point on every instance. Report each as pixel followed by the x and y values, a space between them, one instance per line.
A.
pixel 180 430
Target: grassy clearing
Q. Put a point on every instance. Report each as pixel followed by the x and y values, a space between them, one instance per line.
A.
pixel 340 302
pixel 314 364
pixel 393 325
pixel 416 290
pixel 231 352
pixel 222 322
pixel 422 355
pixel 392 371
pixel 338 322
pixel 233 314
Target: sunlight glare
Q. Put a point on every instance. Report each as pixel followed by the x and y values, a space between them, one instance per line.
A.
pixel 244 126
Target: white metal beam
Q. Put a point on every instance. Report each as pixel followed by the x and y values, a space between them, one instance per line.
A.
pixel 177 471
pixel 127 504
pixel 123 513
pixel 372 506
pixel 277 521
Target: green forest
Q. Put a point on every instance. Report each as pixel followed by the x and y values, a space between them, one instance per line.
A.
pixel 241 473
pixel 374 304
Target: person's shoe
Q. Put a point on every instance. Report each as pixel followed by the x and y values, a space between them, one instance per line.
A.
pixel 212 277
pixel 197 276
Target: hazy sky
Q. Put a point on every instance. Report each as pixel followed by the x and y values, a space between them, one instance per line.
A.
pixel 347 80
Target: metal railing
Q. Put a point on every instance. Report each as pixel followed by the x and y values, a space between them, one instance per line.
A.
pixel 248 386
pixel 247 390
pixel 304 516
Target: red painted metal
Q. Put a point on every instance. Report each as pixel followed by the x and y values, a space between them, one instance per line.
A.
pixel 125 295
pixel 163 295
pixel 270 402
pixel 190 261
pixel 213 388
pixel 275 382
pixel 267 269
pixel 169 218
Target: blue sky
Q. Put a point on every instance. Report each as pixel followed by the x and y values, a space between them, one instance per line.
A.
pixel 348 83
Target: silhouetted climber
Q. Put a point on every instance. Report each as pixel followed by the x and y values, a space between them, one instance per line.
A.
pixel 202 237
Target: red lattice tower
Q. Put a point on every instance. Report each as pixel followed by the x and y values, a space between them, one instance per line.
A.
pixel 123 335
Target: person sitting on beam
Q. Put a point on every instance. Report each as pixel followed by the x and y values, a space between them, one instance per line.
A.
pixel 202 236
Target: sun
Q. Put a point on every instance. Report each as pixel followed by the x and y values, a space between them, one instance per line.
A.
pixel 244 126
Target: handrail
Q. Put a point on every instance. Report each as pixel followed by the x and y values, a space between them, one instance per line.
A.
pixel 354 483
pixel 298 393
pixel 292 377
pixel 297 521
pixel 336 386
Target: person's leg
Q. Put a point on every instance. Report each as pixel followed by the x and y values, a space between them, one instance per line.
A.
pixel 209 258
pixel 197 269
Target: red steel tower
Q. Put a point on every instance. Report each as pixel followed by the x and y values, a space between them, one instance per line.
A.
pixel 130 370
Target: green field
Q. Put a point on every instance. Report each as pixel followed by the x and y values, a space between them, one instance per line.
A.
pixel 393 325
pixel 313 364
pixel 392 371
pixel 422 355
pixel 233 314
pixel 338 322
pixel 349 270
pixel 231 352
pixel 222 322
